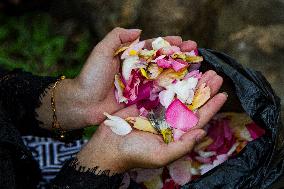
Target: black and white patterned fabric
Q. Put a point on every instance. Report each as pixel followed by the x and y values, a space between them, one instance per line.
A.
pixel 51 155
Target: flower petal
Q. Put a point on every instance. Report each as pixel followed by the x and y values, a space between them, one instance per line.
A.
pixel 128 65
pixel 180 172
pixel 177 134
pixel 180 117
pixel 168 76
pixel 166 97
pixel 142 124
pixel 118 125
pixel 201 96
pixel 254 130
pixel 135 46
pixel 178 64
pixel 169 50
pixel 160 43
pixel 163 63
pixel 119 85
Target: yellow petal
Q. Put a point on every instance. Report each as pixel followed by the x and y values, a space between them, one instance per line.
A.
pixel 121 49
pixel 144 73
pixel 142 124
pixel 169 75
pixel 155 183
pixel 167 135
pixel 201 96
pixel 187 58
pixel 132 52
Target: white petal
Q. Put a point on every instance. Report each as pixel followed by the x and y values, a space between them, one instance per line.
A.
pixel 160 43
pixel 118 125
pixel 128 65
pixel 206 154
pixel 166 97
pixel 190 97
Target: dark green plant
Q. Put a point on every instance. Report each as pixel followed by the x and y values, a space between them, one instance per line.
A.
pixel 30 42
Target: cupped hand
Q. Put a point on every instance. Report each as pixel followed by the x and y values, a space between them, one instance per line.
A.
pixel 81 101
pixel 140 149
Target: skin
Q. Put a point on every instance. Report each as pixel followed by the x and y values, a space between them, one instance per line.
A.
pixel 81 101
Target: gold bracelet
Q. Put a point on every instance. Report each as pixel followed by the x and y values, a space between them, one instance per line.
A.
pixel 59 132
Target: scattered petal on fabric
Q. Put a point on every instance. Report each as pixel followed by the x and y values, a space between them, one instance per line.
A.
pixel 177 134
pixel 142 124
pixel 178 116
pixel 118 125
pixel 203 159
pixel 202 95
pixel 203 144
pixel 206 154
pixel 128 65
pixel 205 168
pixel 179 171
pixel 155 183
pixel 160 43
pixel 166 97
pixel 170 184
pixel 255 131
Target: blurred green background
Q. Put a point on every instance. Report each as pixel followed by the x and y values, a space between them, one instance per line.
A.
pixel 49 37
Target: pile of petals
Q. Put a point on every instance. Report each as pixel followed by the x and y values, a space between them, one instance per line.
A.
pixel 228 134
pixel 163 76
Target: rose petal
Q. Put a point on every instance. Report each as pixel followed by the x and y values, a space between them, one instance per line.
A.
pixel 166 97
pixel 163 63
pixel 143 175
pixel 143 124
pixel 155 183
pixel 195 73
pixel 131 90
pixel 125 181
pixel 160 43
pixel 179 171
pixel 118 125
pixel 168 76
pixel 254 130
pixel 128 65
pixel 201 96
pixel 135 46
pixel 119 88
pixel 178 64
pixel 180 117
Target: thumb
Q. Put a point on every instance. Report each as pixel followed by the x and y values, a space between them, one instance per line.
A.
pixel 117 37
pixel 177 149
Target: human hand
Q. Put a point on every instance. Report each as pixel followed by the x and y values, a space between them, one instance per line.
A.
pixel 141 149
pixel 81 101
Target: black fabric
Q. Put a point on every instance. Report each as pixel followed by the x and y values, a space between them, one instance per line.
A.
pixel 74 176
pixel 20 94
pixel 261 163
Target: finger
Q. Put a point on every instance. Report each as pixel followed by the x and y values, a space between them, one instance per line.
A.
pixel 177 149
pixel 207 111
pixel 187 46
pixel 214 84
pixel 173 40
pixel 130 111
pixel 116 38
pixel 206 77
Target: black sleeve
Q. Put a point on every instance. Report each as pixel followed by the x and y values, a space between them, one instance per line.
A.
pixel 74 176
pixel 20 94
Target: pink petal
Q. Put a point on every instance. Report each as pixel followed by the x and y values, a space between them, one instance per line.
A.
pixel 254 130
pixel 180 171
pixel 143 92
pixel 194 73
pixel 148 104
pixel 143 112
pixel 131 89
pixel 180 117
pixel 178 64
pixel 177 134
pixel 163 63
pixel 222 136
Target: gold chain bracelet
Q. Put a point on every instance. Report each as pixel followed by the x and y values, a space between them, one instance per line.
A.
pixel 59 132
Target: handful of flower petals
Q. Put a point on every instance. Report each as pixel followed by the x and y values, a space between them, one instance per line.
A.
pixel 163 84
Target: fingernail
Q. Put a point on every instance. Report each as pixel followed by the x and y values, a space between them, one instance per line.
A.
pixel 226 94
pixel 134 30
